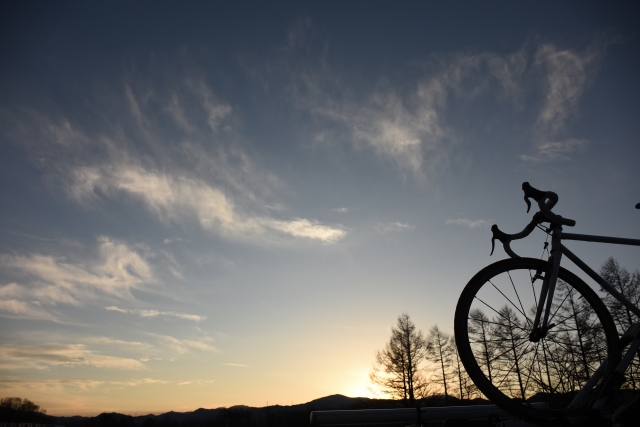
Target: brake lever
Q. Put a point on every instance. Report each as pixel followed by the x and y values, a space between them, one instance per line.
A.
pixel 504 238
pixel 530 192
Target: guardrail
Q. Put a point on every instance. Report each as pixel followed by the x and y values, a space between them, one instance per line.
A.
pixel 407 417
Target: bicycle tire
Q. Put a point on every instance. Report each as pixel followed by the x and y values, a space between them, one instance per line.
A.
pixel 510 369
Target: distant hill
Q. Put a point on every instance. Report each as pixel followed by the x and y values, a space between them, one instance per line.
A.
pixel 238 416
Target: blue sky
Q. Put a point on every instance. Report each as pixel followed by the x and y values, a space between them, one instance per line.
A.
pixel 206 205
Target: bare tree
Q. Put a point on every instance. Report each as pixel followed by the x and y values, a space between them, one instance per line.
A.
pixel 466 387
pixel 627 284
pixel 510 334
pixel 440 352
pixel 397 369
pixel 481 330
pixel 18 411
pixel 19 404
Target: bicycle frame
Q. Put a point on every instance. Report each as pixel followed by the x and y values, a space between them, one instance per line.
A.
pixel 547 292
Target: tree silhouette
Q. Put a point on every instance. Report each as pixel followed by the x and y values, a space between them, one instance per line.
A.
pixel 16 409
pixel 397 369
pixel 511 335
pixel 19 404
pixel 440 352
pixel 481 331
pixel 466 388
pixel 628 285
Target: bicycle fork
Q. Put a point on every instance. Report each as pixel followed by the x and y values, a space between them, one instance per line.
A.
pixel 548 288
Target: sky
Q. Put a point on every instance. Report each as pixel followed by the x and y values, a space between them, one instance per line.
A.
pixel 220 203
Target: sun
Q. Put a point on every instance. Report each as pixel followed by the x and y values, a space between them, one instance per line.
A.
pixel 360 389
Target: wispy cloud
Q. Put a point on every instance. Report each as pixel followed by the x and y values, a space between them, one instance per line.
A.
pixel 206 177
pixel 46 356
pixel 403 123
pixel 558 150
pixel 182 346
pixel 568 73
pixel 223 190
pixel 477 223
pixel 169 241
pixel 236 365
pixel 298 33
pixel 342 210
pixel 392 227
pixel 409 123
pixel 156 313
pixel 112 341
pixel 22 309
pixel 216 112
pixel 134 383
pixel 176 199
pixel 47 281
pixel 196 382
pixel 83 385
pixel 300 227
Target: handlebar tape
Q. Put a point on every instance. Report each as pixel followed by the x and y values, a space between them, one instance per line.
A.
pixel 506 239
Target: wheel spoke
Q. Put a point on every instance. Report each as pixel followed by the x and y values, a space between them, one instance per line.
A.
pixel 508 299
pixel 518 296
pixel 498 313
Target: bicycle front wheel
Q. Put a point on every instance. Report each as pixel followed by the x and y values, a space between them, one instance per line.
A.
pixel 493 320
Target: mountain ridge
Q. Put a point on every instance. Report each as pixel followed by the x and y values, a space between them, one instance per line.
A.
pixel 235 416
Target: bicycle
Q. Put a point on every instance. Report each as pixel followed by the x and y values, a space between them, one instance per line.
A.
pixel 528 330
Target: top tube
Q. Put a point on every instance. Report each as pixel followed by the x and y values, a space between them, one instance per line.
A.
pixel 600 239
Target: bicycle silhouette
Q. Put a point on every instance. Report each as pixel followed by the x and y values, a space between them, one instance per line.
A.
pixel 528 330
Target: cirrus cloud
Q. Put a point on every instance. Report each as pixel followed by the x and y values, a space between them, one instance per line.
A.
pixel 70 355
pixel 156 313
pixel 477 223
pixel 555 150
pixel 47 281
pixel 174 199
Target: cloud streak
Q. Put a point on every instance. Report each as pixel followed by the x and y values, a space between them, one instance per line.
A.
pixel 182 346
pixel 156 313
pixel 477 223
pixel 410 124
pixel 384 228
pixel 175 151
pixel 59 385
pixel 176 199
pixel 556 150
pixel 135 383
pixel 21 309
pixel 567 75
pixel 70 355
pixel 47 281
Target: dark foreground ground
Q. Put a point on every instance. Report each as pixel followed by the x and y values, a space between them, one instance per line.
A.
pixel 236 416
